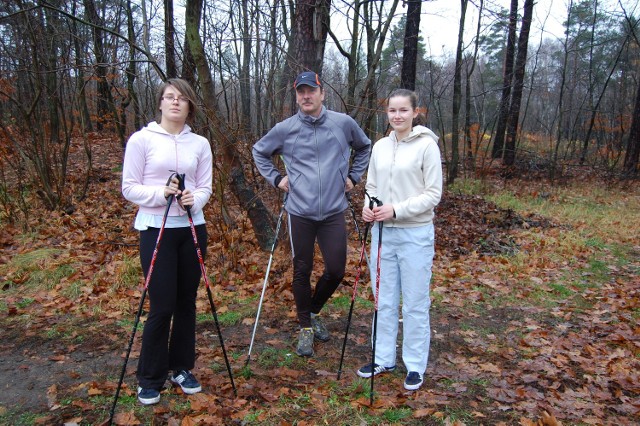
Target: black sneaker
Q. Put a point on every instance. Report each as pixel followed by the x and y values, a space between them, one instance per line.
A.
pixel 365 371
pixel 413 380
pixel 305 342
pixel 148 396
pixel 320 332
pixel 187 382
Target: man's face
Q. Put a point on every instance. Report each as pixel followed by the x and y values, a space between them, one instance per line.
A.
pixel 309 99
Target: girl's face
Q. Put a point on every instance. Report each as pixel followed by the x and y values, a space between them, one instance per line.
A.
pixel 401 114
pixel 174 106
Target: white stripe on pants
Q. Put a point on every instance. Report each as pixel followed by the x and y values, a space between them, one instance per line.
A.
pixel 405 269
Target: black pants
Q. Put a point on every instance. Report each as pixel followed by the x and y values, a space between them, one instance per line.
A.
pixel 331 234
pixel 172 295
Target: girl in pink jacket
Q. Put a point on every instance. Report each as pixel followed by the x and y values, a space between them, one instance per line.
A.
pixel 155 153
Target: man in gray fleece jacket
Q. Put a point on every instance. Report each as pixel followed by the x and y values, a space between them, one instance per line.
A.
pixel 315 145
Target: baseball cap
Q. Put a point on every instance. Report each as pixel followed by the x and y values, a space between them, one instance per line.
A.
pixel 309 78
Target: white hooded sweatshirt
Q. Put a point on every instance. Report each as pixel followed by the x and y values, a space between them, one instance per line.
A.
pixel 408 175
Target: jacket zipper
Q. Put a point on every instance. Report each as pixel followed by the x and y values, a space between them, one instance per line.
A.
pixel 315 137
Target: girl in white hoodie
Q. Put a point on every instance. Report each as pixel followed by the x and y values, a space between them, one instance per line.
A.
pixel 161 149
pixel 405 175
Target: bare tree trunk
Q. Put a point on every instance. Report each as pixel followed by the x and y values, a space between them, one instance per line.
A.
pixel 632 157
pixel 271 103
pixel 106 107
pixel 85 117
pixel 132 72
pixel 470 68
pixel 287 103
pixel 594 108
pixel 560 109
pixel 452 170
pixel 169 39
pixel 258 214
pixel 351 56
pixel 245 69
pixel 311 25
pixel 51 79
pixel 410 49
pixel 376 30
pixel 590 77
pixel 259 66
pixel 507 80
pixel 518 84
pixel 188 72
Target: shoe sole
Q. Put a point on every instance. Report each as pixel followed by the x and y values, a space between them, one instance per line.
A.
pixel 188 391
pixel 368 375
pixel 310 354
pixel 149 401
pixel 326 339
pixel 413 387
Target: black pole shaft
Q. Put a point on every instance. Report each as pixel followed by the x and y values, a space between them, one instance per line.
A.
pixel 203 270
pixel 373 355
pixel 224 351
pixel 353 299
pixel 126 358
pixel 140 306
pixel 375 313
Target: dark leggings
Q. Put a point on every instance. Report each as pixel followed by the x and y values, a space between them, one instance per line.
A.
pixel 331 234
pixel 172 295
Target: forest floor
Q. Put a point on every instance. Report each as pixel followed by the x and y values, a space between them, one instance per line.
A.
pixel 534 316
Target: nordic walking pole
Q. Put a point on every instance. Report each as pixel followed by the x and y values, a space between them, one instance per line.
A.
pixel 355 221
pixel 203 270
pixel 355 286
pixel 266 277
pixel 144 295
pixel 375 312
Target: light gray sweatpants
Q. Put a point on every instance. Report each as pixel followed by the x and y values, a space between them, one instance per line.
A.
pixel 405 270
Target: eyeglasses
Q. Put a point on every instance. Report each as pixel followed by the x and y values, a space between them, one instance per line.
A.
pixel 180 99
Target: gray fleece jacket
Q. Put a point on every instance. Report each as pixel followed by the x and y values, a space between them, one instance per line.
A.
pixel 316 152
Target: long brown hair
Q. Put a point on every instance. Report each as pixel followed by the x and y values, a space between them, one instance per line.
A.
pixel 183 87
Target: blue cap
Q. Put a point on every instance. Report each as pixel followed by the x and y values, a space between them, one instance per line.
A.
pixel 309 78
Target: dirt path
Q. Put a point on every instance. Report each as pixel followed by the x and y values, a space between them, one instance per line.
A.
pixel 34 370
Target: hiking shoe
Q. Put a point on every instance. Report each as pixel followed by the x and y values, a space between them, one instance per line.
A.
pixel 377 369
pixel 187 382
pixel 320 332
pixel 413 380
pixel 305 342
pixel 148 396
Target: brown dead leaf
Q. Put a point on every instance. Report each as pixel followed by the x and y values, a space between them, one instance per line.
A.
pixel 58 358
pixel 126 419
pixel 188 421
pixel 490 368
pixel 549 419
pixel 287 372
pixel 423 412
pixel 269 397
pixel 52 395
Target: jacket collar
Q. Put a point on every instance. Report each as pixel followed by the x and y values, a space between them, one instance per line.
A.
pixel 155 127
pixel 308 119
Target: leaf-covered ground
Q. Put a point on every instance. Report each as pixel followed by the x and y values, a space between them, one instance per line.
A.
pixel 534 319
